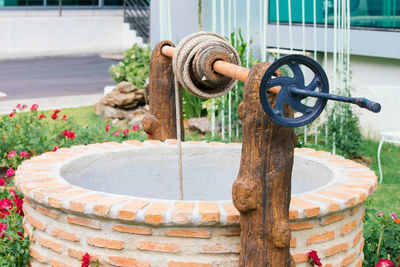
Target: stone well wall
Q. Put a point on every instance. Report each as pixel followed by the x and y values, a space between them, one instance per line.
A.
pixel 129 231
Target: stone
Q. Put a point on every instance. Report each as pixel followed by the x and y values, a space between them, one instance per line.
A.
pixel 126 87
pixel 202 124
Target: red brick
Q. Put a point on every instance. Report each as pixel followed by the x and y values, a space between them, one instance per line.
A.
pixel 105 243
pixel 301 225
pixel 29 187
pixel 232 214
pixel 64 234
pixel 333 205
pixel 44 242
pixel 357 238
pixel 187 264
pixel 35 222
pixel 355 210
pixel 133 143
pixel 220 248
pixel 351 200
pixel 310 208
pixel 197 233
pixel 298 258
pixel 182 212
pixel 48 212
pixel 362 196
pixel 232 232
pixel 332 219
pixel 317 238
pixel 158 246
pixel 75 253
pixel 347 228
pixel 126 262
pixel 39 194
pixel 336 249
pixel 84 222
pixel 55 199
pixel 155 213
pixel 349 259
pixel 293 242
pixel 132 229
pixel 37 255
pixel 128 211
pixel 209 212
pixel 78 204
pixel 293 214
pixel 103 206
pixel 55 263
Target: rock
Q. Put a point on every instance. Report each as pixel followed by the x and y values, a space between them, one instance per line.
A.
pixel 126 87
pixel 202 125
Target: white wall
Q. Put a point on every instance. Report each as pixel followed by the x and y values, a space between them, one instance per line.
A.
pixel 44 33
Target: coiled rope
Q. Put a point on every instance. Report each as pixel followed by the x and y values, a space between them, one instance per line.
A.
pixel 181 63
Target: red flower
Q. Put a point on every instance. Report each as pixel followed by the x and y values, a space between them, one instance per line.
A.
pixel 3 227
pixel 54 116
pixel 42 116
pixel 18 203
pixel 24 107
pixel 116 133
pixel 10 172
pixel 135 128
pixel 313 258
pixel 56 111
pixel 34 107
pixel 55 149
pixel 11 154
pixel 396 220
pixel 149 136
pixel 12 113
pixel 384 263
pixel 64 117
pixel 86 260
pixel 2 183
pixel 23 155
pixel 69 134
pixel 21 235
pixel 125 132
pixel 18 106
pixel 5 207
pixel 13 193
pixel 107 127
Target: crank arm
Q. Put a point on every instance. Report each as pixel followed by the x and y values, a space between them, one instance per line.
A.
pixel 361 102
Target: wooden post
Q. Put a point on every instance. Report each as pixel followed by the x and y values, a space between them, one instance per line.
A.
pixel 261 191
pixel 160 122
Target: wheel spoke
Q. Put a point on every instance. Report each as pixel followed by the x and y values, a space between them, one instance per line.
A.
pixel 297 73
pixel 298 106
pixel 313 84
pixel 283 81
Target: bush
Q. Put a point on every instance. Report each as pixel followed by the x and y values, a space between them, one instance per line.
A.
pixel 382 237
pixel 134 68
pixel 26 134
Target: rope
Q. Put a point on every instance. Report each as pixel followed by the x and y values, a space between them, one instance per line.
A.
pixel 181 61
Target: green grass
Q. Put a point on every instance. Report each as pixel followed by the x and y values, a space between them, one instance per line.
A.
pixel 83 116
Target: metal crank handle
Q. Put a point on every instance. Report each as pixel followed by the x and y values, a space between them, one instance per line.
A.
pixel 361 102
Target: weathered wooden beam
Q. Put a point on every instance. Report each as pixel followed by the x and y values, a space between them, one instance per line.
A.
pixel 262 189
pixel 160 122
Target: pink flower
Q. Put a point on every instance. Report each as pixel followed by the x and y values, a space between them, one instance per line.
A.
pixel 135 128
pixel 379 214
pixel 11 154
pixel 86 260
pixel 34 107
pixel 384 263
pixel 3 227
pixel 2 183
pixel 5 207
pixel 107 127
pixel 116 133
pixel 13 193
pixel 125 132
pixel 313 258
pixel 42 116
pixel 10 172
pixel 149 136
pixel 54 116
pixel 23 155
pixel 18 106
pixel 64 117
pixel 56 111
pixel 55 149
pixel 24 107
pixel 393 215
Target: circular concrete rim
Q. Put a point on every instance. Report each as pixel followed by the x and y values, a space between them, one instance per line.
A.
pixel 40 181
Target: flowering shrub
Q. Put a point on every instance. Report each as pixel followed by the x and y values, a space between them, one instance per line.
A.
pixel 27 134
pixel 313 258
pixel 14 245
pixel 382 238
pixel 87 261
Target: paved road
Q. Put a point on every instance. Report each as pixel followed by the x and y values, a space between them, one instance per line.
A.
pixel 54 76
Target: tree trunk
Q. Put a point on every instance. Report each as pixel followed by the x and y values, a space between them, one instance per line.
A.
pixel 160 122
pixel 261 191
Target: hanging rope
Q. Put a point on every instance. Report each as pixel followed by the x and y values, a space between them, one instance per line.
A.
pixel 182 60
